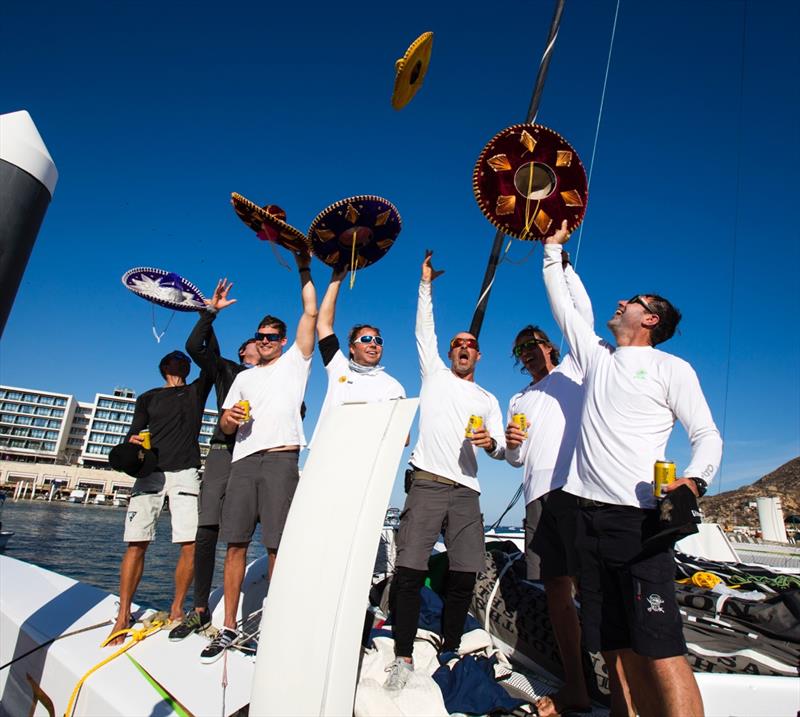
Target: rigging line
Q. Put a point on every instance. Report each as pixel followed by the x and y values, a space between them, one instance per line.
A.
pixel 597 127
pixel 735 236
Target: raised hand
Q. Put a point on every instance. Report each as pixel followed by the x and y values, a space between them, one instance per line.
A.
pixel 428 272
pixel 560 237
pixel 219 300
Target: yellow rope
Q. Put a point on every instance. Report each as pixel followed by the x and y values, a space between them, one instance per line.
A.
pixel 528 222
pixel 136 636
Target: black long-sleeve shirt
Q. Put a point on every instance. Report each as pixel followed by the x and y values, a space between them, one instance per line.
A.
pixel 174 415
pixel 203 347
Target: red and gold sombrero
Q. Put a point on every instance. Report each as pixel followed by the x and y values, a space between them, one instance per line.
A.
pixel 410 70
pixel 269 223
pixel 528 179
pixel 355 232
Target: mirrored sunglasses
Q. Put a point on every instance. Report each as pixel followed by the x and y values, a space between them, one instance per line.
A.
pixel 464 343
pixel 367 339
pixel 520 349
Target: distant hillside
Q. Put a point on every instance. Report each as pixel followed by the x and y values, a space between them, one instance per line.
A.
pixel 733 507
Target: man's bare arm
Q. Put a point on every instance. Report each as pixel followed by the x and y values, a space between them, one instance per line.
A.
pixel 308 321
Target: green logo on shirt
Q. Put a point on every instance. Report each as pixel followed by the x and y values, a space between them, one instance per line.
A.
pixel 641 374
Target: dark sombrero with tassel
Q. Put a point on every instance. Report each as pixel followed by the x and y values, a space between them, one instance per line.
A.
pixel 410 70
pixel 164 288
pixel 355 232
pixel 528 179
pixel 269 223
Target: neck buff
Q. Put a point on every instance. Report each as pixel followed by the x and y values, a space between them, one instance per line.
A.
pixel 365 370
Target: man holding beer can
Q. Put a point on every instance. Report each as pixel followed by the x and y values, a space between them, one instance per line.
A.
pixel 263 410
pixel 169 419
pixel 542 427
pixel 445 484
pixel 633 395
pixel 203 347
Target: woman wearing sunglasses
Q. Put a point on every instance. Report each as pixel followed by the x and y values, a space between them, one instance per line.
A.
pixel 445 484
pixel 361 377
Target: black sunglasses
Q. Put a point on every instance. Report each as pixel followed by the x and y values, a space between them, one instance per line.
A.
pixel 519 349
pixel 368 339
pixel 272 338
pixel 639 300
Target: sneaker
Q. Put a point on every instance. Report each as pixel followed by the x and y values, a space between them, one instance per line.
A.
pixel 399 672
pixel 194 621
pixel 213 651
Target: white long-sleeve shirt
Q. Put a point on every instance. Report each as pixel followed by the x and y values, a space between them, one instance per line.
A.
pixel 634 394
pixel 445 404
pixel 552 406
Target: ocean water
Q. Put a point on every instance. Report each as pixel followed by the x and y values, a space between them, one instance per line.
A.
pixel 84 542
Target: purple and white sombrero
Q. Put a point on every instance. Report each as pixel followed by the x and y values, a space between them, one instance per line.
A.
pixel 164 288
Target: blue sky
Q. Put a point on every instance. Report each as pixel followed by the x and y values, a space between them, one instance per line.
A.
pixel 154 114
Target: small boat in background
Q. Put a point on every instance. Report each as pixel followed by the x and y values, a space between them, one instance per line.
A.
pixel 5 535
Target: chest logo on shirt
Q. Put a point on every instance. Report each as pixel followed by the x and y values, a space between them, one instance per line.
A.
pixel 641 374
pixel 342 379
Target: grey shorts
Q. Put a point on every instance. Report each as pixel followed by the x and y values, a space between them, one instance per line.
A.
pixel 260 490
pixel 550 530
pixel 212 489
pixel 427 505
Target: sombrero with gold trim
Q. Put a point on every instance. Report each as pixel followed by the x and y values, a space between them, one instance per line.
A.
pixel 528 179
pixel 355 232
pixel 269 223
pixel 410 70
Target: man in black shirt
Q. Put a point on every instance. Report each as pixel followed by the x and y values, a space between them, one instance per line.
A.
pixel 204 349
pixel 173 414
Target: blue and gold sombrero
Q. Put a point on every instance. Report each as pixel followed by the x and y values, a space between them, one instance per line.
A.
pixel 355 232
pixel 164 288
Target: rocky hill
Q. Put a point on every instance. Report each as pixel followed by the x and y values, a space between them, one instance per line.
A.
pixel 733 507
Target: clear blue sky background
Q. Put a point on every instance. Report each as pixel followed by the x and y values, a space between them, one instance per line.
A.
pixel 155 113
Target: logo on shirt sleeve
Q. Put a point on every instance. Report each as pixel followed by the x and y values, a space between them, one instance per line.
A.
pixel 342 379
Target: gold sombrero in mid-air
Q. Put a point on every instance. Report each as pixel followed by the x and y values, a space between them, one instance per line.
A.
pixel 410 70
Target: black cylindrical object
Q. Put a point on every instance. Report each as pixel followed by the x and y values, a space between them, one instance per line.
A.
pixel 28 178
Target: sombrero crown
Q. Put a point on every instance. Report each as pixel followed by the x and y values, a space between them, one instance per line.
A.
pixel 528 179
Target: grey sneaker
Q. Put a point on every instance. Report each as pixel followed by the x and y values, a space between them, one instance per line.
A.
pixel 194 621
pixel 213 651
pixel 399 672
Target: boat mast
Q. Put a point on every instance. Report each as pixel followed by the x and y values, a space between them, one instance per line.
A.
pixel 533 109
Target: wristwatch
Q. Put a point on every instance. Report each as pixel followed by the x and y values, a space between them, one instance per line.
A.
pixel 702 486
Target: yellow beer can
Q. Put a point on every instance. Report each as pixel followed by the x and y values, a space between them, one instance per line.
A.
pixel 145 436
pixel 663 474
pixel 520 420
pixel 474 423
pixel 245 404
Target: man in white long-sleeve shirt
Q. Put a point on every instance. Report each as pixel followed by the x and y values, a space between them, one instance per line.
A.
pixel 633 395
pixel 445 484
pixel 552 404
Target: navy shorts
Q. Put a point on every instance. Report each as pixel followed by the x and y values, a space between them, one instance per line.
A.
pixel 550 524
pixel 627 601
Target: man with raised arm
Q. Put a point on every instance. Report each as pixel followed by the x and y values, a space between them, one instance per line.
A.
pixel 263 409
pixel 551 404
pixel 203 347
pixel 359 378
pixel 633 395
pixel 445 484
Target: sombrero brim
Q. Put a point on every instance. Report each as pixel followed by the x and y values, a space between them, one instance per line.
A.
pixel 147 282
pixel 256 217
pixel 373 223
pixel 504 164
pixel 410 70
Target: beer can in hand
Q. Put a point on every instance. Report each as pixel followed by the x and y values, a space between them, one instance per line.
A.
pixel 474 423
pixel 663 474
pixel 521 422
pixel 245 406
pixel 145 436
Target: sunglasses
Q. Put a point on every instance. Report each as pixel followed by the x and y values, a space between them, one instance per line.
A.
pixel 639 300
pixel 464 344
pixel 520 349
pixel 367 339
pixel 272 338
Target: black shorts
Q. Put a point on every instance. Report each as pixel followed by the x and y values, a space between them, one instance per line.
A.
pixel 212 488
pixel 626 601
pixel 550 524
pixel 260 489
